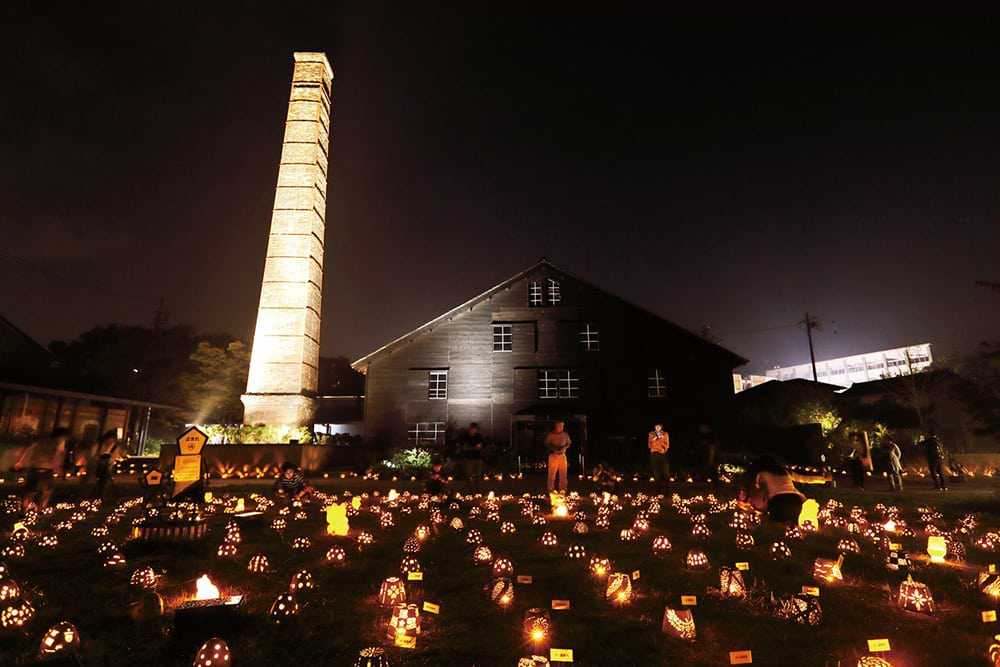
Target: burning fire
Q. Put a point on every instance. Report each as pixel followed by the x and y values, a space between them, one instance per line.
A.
pixel 206 589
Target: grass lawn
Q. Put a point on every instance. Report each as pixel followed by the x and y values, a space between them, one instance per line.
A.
pixel 341 616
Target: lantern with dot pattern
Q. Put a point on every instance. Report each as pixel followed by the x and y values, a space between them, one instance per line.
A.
pixel 411 545
pixel 576 552
pixel 502 567
pixel 13 551
pixel 700 531
pixel 580 528
pixel 409 564
pixel 259 564
pixel 661 546
pixel 744 541
pixel 279 524
pixel 213 653
pixel 549 540
pixel 226 550
pixel 301 581
pixel 144 577
pixel 628 535
pixel 17 614
pixel 336 556
pixel 474 537
pixel 780 551
pixel 456 524
pixel 507 528
pixel 301 543
pixel 49 541
pixel 115 561
pixel 365 539
pixel 696 560
pixel 848 547
pixel 599 566
pixel 9 590
pixel 284 608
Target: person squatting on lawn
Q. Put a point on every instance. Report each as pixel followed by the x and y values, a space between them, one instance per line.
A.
pixel 471 446
pixel 291 484
pixel 557 442
pixel 606 478
pixel 659 445
pixel 42 458
pixel 934 451
pixel 895 467
pixel 769 487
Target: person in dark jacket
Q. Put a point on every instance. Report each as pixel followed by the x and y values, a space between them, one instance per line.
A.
pixel 471 451
pixel 934 451
pixel 291 484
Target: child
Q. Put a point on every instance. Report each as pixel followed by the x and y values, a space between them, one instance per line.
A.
pixel 436 483
pixel 606 478
pixel 291 485
pixel 769 486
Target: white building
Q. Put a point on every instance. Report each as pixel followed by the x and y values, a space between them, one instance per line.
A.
pixel 845 371
pixel 744 382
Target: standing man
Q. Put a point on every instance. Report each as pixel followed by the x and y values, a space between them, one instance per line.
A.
pixel 659 445
pixel 42 458
pixel 557 442
pixel 105 453
pixel 895 467
pixel 934 451
pixel 472 455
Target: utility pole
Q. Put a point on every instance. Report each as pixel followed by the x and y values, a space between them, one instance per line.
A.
pixel 811 323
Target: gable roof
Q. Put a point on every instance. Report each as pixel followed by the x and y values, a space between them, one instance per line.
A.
pixel 12 340
pixel 362 363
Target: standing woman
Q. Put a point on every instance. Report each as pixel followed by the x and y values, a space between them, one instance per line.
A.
pixel 659 444
pixel 895 467
pixel 770 487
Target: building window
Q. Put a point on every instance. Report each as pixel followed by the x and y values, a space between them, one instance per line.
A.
pixel 535 299
pixel 437 385
pixel 555 295
pixel 426 433
pixel 657 387
pixel 558 384
pixel 589 338
pixel 503 338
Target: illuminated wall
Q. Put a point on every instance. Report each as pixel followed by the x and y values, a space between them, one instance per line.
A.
pixel 281 387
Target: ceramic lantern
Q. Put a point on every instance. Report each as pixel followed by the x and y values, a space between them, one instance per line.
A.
pixel 213 653
pixel 679 623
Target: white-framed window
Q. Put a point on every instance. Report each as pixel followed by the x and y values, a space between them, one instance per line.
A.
pixel 437 385
pixel 589 337
pixel 425 433
pixel 657 386
pixel 554 292
pixel 558 384
pixel 535 296
pixel 503 338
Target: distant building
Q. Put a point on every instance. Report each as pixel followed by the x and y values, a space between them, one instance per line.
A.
pixel 744 382
pixel 539 347
pixel 867 367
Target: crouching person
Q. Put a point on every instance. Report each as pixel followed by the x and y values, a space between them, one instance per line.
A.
pixel 291 484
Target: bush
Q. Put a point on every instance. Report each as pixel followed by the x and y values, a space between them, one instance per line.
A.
pixel 259 434
pixel 411 461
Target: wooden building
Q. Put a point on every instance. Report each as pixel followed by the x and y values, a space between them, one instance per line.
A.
pixel 542 346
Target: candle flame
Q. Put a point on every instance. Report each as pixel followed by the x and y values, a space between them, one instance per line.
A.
pixel 206 589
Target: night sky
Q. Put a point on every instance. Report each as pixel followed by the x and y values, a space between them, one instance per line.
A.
pixel 733 172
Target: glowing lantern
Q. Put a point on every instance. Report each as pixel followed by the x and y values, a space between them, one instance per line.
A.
pixel 576 552
pixel 989 583
pixel 538 520
pixel 301 543
pixel 240 506
pixel 115 561
pixel 482 555
pixel 48 541
pixel 392 592
pixel 502 592
pixel 105 548
pixel 409 564
pixel 301 581
pixel 580 528
pixel 661 546
pixel 3 569
pixel 731 582
pixel 828 571
pixel 502 567
pixel 144 577
pixel 700 531
pixel 365 539
pixel 284 608
pixel 915 596
pixel 16 615
pixel 279 524
pixel 474 537
pixel 422 532
pixel 679 623
pixel 456 524
pixel 744 541
pixel 372 656
pixel 937 548
pixel 873 661
pixel 696 560
pixel 549 540
pixel 804 609
pixel 13 551
pixel 205 589
pixel 533 661
pixel 405 621
pixel 619 588
pixel 9 590
pixel 896 561
pixel 213 653
pixel 336 556
pixel 994 651
pixel 599 566
pixel 848 547
pixel 61 637
pixel 536 624
pixel 793 533
pixel 780 551
pixel 507 528
pixel 628 535
pixel 226 550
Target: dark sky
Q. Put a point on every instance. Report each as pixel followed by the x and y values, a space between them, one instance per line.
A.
pixel 734 172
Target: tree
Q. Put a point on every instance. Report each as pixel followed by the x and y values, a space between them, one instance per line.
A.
pixel 982 393
pixel 213 387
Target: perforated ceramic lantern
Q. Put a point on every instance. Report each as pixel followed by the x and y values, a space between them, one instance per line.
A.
pixel 549 540
pixel 679 623
pixel 744 541
pixel 599 566
pixel 828 571
pixel 537 625
pixel 17 614
pixel 848 547
pixel 226 550
pixel 801 608
pixel 301 543
pixel 405 621
pixel 409 564
pixel 474 537
pixel 144 577
pixel 533 661
pixel 873 661
pixel 336 556
pixel 661 546
pixel 392 592
pixel 915 596
pixel 700 531
pixel 456 524
pixel 60 638
pixel 259 564
pixel 9 590
pixel 780 551
pixel 576 552
pixel 4 571
pixel 213 653
pixel 731 582
pixel 502 567
pixel 696 560
pixel 284 608
pixel 897 561
pixel 48 541
pixel 619 590
pixel 115 561
pixel 502 592
pixel 302 581
pixel 372 656
pixel 508 528
pixel 279 524
pixel 989 583
pixel 13 551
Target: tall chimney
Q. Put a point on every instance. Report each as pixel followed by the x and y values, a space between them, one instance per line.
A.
pixel 284 361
